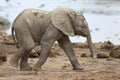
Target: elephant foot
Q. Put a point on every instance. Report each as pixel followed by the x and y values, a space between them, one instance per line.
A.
pixel 26 68
pixel 13 62
pixel 77 68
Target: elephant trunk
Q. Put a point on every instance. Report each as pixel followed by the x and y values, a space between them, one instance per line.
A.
pixel 90 44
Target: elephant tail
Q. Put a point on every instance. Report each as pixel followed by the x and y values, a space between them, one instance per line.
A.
pixel 15 41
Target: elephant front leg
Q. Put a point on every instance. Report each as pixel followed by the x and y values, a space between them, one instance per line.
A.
pixel 66 45
pixel 45 48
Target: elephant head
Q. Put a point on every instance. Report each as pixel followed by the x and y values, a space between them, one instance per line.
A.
pixel 72 23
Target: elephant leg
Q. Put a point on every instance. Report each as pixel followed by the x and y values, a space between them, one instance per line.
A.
pixel 26 44
pixel 45 48
pixel 16 57
pixel 66 45
pixel 23 55
pixel 24 66
pixel 27 47
pixel 47 41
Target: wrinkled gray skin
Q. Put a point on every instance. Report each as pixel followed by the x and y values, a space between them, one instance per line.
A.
pixel 35 27
pixel 4 23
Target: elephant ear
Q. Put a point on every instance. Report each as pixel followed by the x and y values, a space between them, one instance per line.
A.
pixel 61 21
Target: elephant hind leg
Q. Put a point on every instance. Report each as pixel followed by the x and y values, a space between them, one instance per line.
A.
pixel 26 44
pixel 24 66
pixel 15 58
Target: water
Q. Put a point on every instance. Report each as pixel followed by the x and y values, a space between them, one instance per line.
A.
pixel 103 16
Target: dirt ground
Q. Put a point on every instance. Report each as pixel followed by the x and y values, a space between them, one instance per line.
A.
pixel 58 66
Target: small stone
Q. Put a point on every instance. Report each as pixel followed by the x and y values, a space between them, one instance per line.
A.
pixel 84 55
pixel 107 45
pixel 115 53
pixel 33 54
pixel 3 57
pixel 101 55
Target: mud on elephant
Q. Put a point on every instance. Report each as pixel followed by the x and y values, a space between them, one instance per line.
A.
pixel 36 27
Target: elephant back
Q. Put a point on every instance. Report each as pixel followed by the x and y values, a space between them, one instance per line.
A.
pixel 34 16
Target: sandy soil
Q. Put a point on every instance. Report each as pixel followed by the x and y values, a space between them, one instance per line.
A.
pixel 58 66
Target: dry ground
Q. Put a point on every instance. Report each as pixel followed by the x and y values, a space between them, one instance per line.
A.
pixel 58 66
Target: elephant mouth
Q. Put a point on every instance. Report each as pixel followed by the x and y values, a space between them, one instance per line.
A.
pixel 82 34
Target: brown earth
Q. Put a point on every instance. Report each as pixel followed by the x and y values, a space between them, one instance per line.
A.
pixel 104 66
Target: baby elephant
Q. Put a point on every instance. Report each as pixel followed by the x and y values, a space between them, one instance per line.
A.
pixel 33 26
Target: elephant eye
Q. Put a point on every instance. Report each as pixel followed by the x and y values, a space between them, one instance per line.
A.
pixel 82 26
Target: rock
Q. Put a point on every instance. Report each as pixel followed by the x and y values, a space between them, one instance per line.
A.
pixel 5 38
pixel 107 45
pixel 53 53
pixel 33 54
pixel 4 23
pixel 66 65
pixel 84 55
pixel 8 41
pixel 37 49
pixel 3 58
pixel 36 52
pixel 101 55
pixel 3 35
pixel 80 45
pixel 115 53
